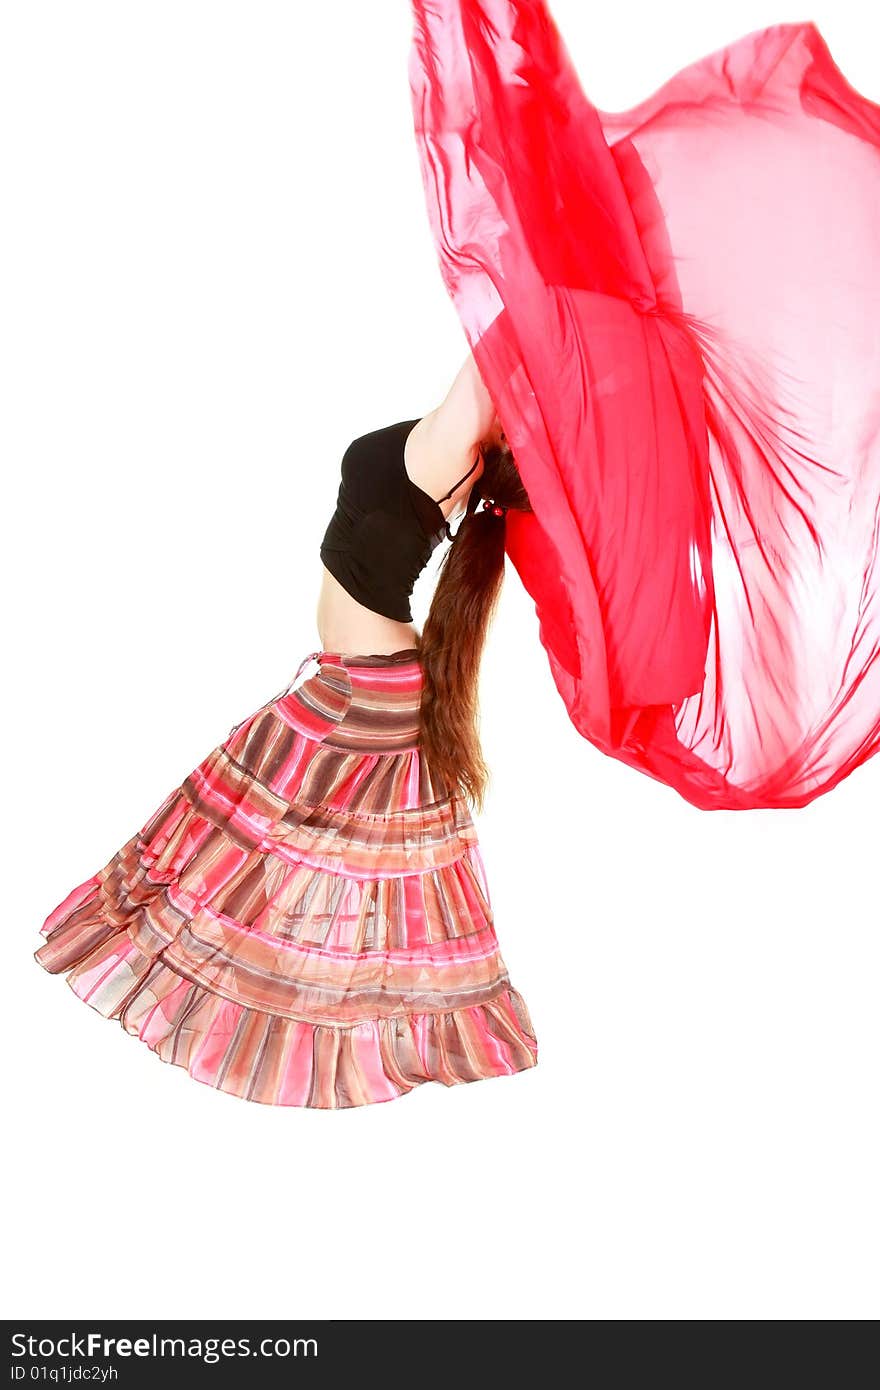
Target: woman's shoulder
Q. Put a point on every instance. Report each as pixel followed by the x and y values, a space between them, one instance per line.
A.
pixel 439 459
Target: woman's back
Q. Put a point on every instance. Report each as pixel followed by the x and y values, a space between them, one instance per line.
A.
pixel 382 533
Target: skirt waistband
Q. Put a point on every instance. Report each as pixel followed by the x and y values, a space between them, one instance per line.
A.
pixel 395 697
pixel 363 702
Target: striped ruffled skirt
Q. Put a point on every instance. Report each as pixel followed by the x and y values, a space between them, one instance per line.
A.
pixel 305 920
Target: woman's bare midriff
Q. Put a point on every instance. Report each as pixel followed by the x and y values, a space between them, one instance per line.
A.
pixel 344 625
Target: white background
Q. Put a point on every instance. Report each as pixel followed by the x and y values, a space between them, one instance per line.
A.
pixel 217 270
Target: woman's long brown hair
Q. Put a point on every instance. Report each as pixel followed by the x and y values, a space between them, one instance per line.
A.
pixel 453 636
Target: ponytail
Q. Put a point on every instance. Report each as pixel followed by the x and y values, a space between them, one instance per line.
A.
pixel 454 634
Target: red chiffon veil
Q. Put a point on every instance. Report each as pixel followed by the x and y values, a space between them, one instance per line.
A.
pixel 675 309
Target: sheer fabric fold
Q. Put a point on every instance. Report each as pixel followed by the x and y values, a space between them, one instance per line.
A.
pixel 675 309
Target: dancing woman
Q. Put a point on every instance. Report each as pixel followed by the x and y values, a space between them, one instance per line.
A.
pixel 306 920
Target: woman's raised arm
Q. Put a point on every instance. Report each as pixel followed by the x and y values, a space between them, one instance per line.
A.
pixel 445 443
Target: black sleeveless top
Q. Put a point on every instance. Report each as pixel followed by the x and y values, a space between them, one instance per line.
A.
pixel 385 527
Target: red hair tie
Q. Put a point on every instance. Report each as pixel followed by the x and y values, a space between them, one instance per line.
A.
pixel 496 508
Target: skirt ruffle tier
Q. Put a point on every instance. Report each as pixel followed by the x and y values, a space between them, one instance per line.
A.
pixel 305 920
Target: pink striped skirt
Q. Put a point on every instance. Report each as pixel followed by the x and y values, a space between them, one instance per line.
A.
pixel 305 920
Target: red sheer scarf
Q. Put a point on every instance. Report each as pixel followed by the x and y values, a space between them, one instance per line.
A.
pixel 675 310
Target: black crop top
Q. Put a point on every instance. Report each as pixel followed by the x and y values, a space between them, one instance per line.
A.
pixel 385 527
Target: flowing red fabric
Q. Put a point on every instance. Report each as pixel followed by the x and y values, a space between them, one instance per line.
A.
pixel 675 309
